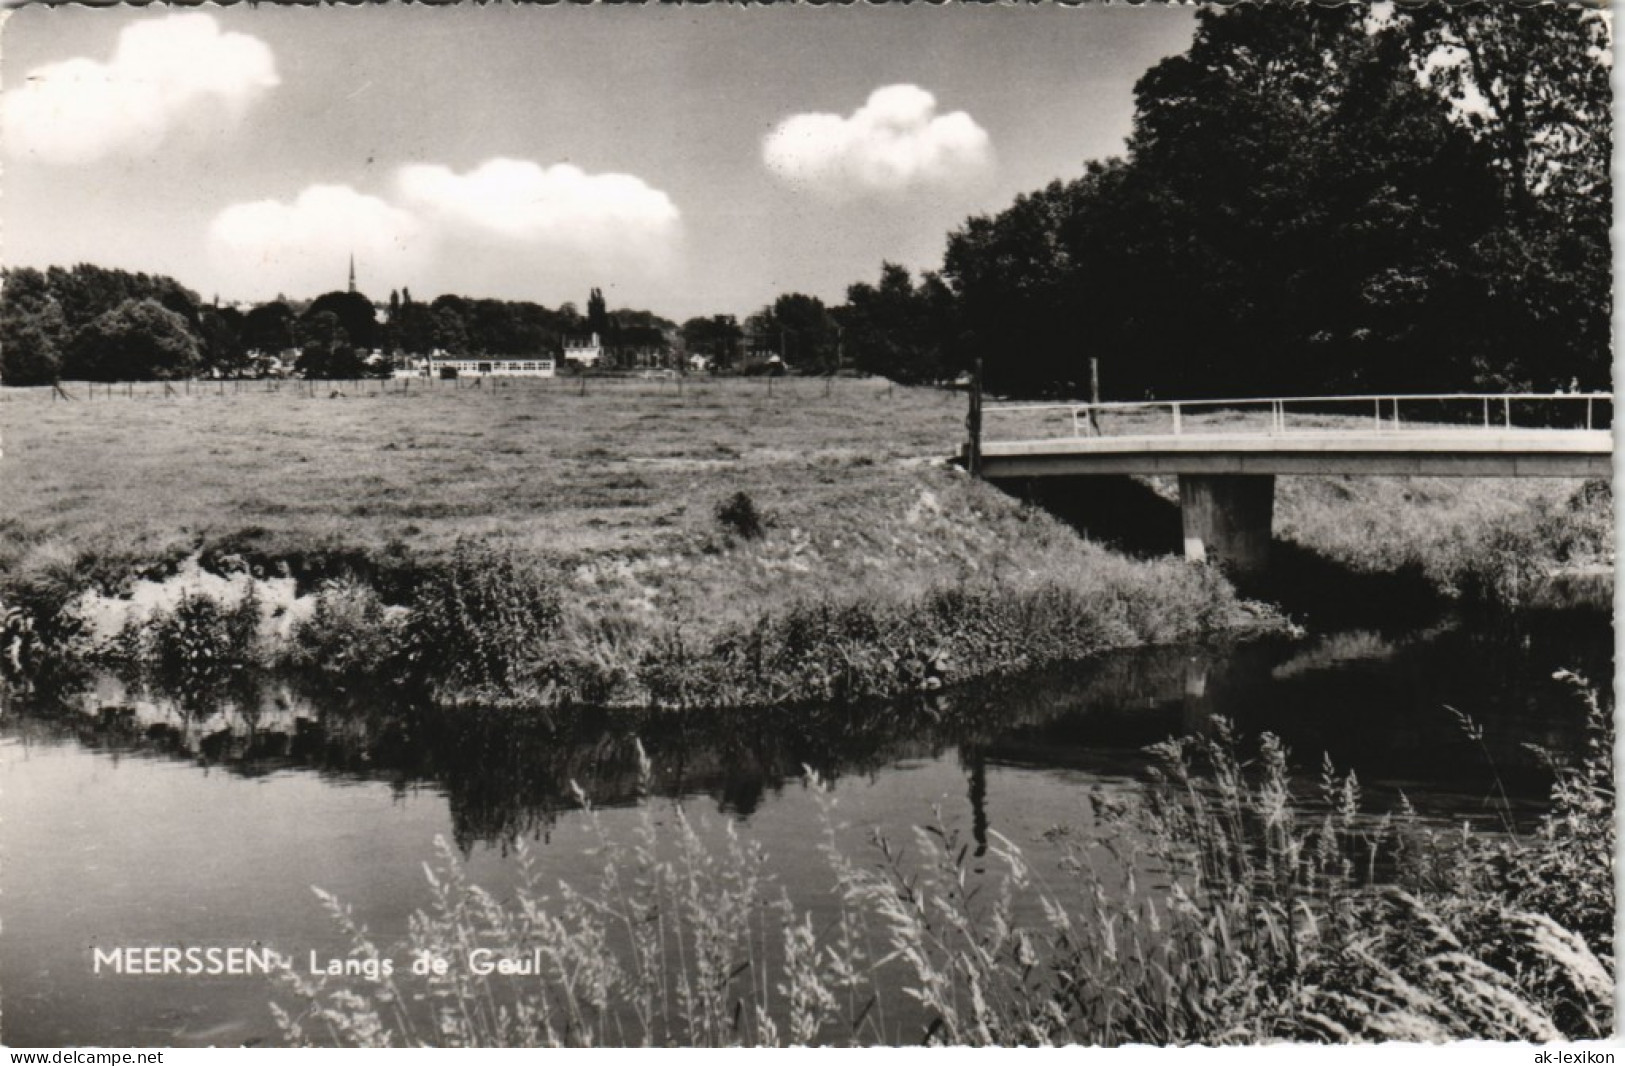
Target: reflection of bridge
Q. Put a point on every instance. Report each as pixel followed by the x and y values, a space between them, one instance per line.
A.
pixel 1226 453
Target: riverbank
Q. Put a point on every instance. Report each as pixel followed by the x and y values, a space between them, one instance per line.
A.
pixel 645 543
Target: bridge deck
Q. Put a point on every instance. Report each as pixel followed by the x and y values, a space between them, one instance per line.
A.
pixel 1449 452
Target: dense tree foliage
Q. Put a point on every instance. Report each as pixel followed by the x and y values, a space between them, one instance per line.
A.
pixel 1322 199
pixel 33 330
pixel 268 327
pixel 326 349
pixel 799 329
pixel 354 312
pixel 60 322
pixel 597 314
pixel 899 329
pixel 718 338
pixel 140 339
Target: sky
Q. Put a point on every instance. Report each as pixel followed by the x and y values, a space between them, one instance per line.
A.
pixel 686 160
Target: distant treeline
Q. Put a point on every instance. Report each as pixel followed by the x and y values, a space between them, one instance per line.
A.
pixel 93 323
pixel 1313 199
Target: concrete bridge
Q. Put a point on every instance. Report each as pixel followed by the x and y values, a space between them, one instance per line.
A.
pixel 1227 453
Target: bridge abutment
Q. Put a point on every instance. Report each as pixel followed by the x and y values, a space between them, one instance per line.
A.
pixel 1227 519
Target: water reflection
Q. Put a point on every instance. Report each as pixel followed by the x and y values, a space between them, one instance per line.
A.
pixel 1372 701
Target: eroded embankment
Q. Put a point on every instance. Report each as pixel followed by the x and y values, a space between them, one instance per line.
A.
pixel 950 583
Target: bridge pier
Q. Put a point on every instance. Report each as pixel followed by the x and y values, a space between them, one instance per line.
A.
pixel 1227 519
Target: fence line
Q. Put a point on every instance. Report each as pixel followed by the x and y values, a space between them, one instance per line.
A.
pixel 676 386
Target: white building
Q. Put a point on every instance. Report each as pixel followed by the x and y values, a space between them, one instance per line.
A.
pixel 582 350
pixel 468 366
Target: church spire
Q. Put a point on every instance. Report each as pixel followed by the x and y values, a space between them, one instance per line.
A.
pixel 352 272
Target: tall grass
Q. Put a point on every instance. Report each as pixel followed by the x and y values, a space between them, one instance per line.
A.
pixel 1228 905
pixel 1483 542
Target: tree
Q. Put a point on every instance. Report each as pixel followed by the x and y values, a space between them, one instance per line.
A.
pixel 137 340
pixel 354 312
pixel 598 315
pixel 718 338
pixel 1311 201
pixel 897 330
pixel 807 333
pixel 85 292
pixel 326 350
pixel 413 327
pixel 268 327
pixel 449 331
pixel 33 332
pixel 221 330
pixel 1531 87
pixel 1269 141
pixel 1014 278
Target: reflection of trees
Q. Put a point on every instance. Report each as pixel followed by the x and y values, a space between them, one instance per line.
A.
pixel 508 773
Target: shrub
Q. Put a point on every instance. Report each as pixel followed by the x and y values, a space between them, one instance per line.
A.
pixel 200 638
pixel 351 633
pixel 38 630
pixel 481 623
pixel 739 516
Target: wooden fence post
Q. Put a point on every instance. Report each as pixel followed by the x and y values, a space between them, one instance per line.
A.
pixel 973 423
pixel 1094 395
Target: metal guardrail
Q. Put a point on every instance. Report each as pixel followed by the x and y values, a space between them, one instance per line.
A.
pixel 1497 409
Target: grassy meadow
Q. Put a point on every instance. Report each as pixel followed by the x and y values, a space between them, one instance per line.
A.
pixel 679 522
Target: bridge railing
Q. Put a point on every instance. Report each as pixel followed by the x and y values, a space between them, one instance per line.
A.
pixel 1279 415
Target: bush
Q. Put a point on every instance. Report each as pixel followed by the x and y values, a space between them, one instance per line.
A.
pixel 351 633
pixel 39 631
pixel 738 515
pixel 481 623
pixel 201 636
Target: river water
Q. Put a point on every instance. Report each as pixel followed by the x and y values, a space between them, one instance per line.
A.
pixel 134 820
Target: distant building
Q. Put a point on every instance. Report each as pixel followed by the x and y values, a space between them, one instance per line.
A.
pixel 648 357
pixel 585 351
pixel 762 360
pixel 441 365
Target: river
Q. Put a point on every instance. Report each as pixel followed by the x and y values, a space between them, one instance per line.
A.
pixel 132 820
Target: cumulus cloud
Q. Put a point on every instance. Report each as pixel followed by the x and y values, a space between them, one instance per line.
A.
pixel 560 206
pixel 505 226
pixel 162 71
pixel 895 141
pixel 303 245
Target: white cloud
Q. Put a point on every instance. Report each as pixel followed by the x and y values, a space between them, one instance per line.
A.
pixel 559 207
pixel 507 227
pixel 304 246
pixel 895 141
pixel 162 71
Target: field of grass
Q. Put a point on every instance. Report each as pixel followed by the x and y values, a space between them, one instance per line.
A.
pixel 848 500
